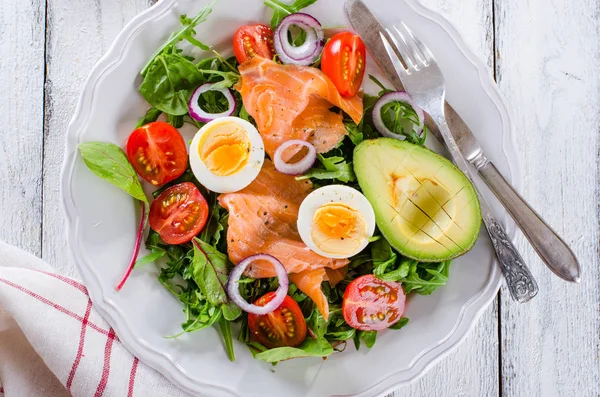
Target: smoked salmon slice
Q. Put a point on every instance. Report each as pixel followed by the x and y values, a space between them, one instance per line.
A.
pixel 293 102
pixel 309 282
pixel 262 219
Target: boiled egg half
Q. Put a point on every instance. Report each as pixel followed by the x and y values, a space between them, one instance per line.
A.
pixel 336 221
pixel 227 154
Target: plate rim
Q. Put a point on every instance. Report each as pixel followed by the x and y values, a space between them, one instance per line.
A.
pixel 165 364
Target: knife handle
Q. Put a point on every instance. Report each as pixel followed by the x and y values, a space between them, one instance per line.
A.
pixel 555 253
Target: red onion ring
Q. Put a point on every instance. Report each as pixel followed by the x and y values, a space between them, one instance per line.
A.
pixel 397 96
pixel 233 290
pixel 197 113
pixel 309 51
pixel 299 167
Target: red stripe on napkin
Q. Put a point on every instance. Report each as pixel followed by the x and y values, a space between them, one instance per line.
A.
pixel 84 323
pixel 56 306
pixel 106 368
pixel 66 280
pixel 132 377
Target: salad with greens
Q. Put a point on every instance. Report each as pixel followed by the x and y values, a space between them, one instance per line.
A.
pixel 304 211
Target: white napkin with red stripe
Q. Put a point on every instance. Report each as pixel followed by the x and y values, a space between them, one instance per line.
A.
pixel 53 342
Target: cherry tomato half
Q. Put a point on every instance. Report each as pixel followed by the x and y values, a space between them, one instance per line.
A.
pixel 179 213
pixel 371 304
pixel 157 152
pixel 285 326
pixel 344 61
pixel 253 40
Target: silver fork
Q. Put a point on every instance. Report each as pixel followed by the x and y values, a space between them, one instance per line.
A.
pixel 424 82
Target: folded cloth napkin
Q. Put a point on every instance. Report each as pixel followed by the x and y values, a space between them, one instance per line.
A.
pixel 53 342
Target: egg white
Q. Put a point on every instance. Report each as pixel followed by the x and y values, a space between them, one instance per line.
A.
pixel 242 178
pixel 334 194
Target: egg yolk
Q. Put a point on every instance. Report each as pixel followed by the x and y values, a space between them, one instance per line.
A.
pixel 338 229
pixel 225 149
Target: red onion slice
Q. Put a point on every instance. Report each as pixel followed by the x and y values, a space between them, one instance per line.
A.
pixel 309 51
pixel 197 113
pixel 233 289
pixel 299 167
pixel 397 96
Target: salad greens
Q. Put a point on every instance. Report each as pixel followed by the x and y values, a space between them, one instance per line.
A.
pixel 196 272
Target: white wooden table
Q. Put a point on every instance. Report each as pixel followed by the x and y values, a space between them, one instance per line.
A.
pixel 545 56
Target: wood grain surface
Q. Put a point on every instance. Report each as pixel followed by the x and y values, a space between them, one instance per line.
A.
pixel 545 55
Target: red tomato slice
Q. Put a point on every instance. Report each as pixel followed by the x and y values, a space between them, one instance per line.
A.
pixel 371 304
pixel 253 40
pixel 179 213
pixel 344 60
pixel 157 152
pixel 285 326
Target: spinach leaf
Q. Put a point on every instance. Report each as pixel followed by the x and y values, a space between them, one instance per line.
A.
pixel 400 324
pixel 368 337
pixel 110 163
pixel 334 168
pixel 152 115
pixel 185 33
pixel 169 83
pixel 309 348
pixel 281 10
pixel 155 255
pixel 229 78
pixel 210 272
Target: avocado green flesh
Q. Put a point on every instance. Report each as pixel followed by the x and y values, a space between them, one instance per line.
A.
pixel 424 206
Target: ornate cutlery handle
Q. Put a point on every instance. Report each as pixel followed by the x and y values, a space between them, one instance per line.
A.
pixel 520 281
pixel 550 247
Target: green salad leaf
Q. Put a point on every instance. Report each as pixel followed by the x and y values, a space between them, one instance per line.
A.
pixel 334 167
pixel 186 32
pixel 400 324
pixel 282 10
pixel 210 272
pixel 152 115
pixel 170 81
pixel 109 162
pixel 309 348
pixel 386 263
pixel 426 277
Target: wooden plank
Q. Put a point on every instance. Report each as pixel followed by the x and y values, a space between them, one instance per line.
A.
pixel 547 68
pixel 22 81
pixel 80 33
pixel 472 370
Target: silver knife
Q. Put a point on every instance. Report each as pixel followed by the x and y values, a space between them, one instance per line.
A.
pixel 521 283
pixel 553 251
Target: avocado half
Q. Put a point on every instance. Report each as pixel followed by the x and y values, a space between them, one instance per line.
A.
pixel 424 206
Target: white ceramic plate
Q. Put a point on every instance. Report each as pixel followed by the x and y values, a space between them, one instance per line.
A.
pixel 101 221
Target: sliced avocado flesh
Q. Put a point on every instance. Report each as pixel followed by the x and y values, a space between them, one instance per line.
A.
pixel 424 206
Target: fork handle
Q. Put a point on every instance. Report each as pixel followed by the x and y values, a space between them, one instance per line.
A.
pixel 555 253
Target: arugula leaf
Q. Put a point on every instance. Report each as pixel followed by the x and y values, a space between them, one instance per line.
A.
pixel 335 168
pixel 309 348
pixel 186 32
pixel 110 163
pixel 229 78
pixel 152 115
pixel 400 324
pixel 169 83
pixel 316 323
pixel 210 272
pixel 281 10
pixel 425 277
pixel 384 257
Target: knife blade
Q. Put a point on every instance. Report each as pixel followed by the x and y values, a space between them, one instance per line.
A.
pixel 553 251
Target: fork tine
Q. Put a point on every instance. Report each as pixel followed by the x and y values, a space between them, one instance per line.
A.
pixel 427 55
pixel 400 69
pixel 404 50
